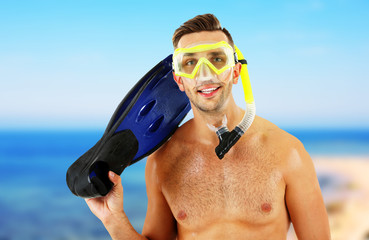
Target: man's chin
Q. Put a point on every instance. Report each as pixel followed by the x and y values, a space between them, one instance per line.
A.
pixel 211 105
pixel 209 108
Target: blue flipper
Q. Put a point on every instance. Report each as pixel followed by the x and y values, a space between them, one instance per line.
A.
pixel 144 120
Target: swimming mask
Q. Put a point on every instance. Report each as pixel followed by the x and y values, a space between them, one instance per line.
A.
pixel 204 61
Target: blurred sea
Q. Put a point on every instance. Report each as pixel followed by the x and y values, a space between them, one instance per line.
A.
pixel 35 202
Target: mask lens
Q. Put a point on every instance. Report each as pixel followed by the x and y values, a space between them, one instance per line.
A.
pixel 189 62
pixel 218 58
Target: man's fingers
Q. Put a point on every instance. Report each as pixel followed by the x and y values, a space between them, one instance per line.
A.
pixel 117 190
pixel 114 178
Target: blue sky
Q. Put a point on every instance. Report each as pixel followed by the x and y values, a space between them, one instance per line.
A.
pixel 67 64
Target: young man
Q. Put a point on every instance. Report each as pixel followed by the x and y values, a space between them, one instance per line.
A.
pixel 266 181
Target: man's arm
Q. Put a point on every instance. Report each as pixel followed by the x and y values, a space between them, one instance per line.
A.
pixel 159 223
pixel 303 196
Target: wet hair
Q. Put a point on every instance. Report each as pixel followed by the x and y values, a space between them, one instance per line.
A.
pixel 205 22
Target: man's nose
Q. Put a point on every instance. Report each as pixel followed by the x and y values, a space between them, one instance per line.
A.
pixel 205 71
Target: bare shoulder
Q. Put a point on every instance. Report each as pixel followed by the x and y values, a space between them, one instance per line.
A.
pixel 175 144
pixel 288 148
pixel 271 133
pixel 167 155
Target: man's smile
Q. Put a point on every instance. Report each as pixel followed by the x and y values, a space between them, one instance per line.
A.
pixel 208 91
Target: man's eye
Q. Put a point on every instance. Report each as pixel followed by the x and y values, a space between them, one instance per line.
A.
pixel 218 59
pixel 190 62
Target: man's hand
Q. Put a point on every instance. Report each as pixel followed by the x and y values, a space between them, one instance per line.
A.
pixel 111 205
pixel 109 210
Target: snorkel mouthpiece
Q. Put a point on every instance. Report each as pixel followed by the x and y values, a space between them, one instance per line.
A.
pixel 226 138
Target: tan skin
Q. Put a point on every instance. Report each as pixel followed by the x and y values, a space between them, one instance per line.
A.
pixel 265 182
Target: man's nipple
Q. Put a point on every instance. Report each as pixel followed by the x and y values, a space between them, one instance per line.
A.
pixel 266 207
pixel 182 215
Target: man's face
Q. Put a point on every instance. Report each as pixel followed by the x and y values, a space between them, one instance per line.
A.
pixel 210 95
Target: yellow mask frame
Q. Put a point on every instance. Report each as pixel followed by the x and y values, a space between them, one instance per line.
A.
pixel 180 52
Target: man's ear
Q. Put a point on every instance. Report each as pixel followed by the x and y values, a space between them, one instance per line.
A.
pixel 236 72
pixel 178 80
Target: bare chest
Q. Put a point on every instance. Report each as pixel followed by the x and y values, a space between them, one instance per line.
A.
pixel 244 187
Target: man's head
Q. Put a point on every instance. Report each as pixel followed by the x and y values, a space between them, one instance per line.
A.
pixel 206 22
pixel 207 90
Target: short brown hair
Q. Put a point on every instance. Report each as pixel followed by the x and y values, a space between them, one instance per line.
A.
pixel 205 22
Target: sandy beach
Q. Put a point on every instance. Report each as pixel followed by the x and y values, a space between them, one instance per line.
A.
pixel 345 187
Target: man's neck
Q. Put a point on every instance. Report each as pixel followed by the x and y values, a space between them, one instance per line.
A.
pixel 201 119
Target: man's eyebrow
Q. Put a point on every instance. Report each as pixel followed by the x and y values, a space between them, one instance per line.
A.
pixel 216 53
pixel 188 54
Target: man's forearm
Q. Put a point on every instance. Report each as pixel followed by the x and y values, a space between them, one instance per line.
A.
pixel 120 228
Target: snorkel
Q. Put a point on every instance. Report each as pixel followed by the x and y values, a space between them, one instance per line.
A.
pixel 219 57
pixel 229 138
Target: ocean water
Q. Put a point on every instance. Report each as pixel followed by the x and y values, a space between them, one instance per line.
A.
pixel 35 202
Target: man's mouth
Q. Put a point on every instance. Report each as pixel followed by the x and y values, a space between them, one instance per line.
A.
pixel 208 92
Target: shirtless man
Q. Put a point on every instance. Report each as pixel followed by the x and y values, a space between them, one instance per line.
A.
pixel 266 181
